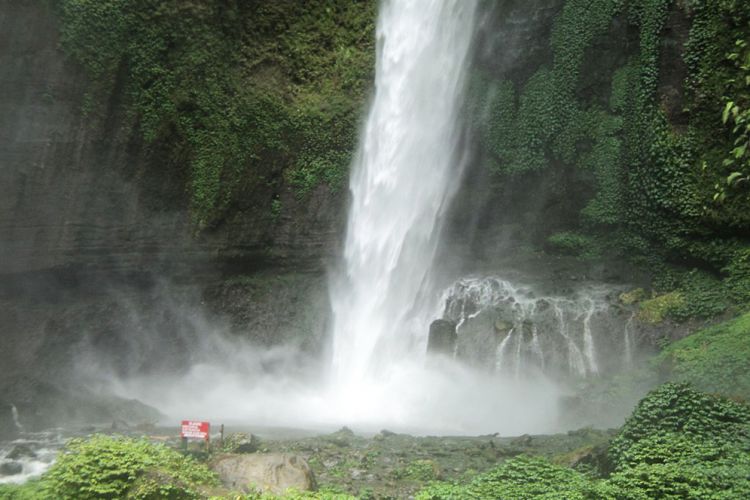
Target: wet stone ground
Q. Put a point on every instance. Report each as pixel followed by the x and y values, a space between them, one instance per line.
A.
pixel 385 465
pixel 390 465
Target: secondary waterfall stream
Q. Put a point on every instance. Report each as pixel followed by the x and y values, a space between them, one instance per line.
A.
pixel 407 169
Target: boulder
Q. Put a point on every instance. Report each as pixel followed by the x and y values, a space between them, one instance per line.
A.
pixel 8 428
pixel 21 451
pixel 10 468
pixel 241 442
pixel 442 337
pixel 267 472
pixel 477 340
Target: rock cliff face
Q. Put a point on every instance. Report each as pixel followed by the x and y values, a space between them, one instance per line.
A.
pixel 90 221
pixel 93 201
pixel 92 217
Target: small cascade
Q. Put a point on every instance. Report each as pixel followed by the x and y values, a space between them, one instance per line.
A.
pixel 629 341
pixel 16 420
pixel 509 329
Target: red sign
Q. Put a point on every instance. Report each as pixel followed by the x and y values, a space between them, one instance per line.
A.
pixel 194 430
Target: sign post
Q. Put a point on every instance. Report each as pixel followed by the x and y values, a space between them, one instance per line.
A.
pixel 192 429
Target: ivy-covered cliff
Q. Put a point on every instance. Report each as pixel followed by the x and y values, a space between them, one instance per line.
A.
pixel 608 142
pixel 243 94
pixel 170 136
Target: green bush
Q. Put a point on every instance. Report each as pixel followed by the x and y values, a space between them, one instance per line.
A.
pixel 677 408
pixel 570 243
pixel 656 309
pixel 523 477
pixel 113 467
pixel 32 490
pixel 714 359
pixel 678 444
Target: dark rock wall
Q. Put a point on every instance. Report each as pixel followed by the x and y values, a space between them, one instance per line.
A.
pixel 98 201
pixel 93 223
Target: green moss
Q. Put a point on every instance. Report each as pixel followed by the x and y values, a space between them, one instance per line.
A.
pixel 656 309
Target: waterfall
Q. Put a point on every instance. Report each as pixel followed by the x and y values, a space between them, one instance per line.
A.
pixel 406 171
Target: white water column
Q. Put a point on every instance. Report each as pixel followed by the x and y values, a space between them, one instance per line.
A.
pixel 407 169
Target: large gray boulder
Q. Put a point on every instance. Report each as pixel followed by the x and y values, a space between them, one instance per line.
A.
pixel 268 472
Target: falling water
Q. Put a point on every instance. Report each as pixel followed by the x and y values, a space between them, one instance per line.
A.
pixel 553 335
pixel 407 168
pixel 16 420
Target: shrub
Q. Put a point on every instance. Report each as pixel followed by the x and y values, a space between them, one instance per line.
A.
pixel 569 243
pixel 713 359
pixel 523 477
pixel 112 467
pixel 655 310
pixel 677 408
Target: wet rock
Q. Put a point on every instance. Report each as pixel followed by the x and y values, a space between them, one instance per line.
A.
pixel 503 327
pixel 527 330
pixel 241 442
pixel 8 428
pixel 271 472
pixel 10 468
pixel 477 340
pixel 341 437
pixel 595 458
pixel 523 441
pixel 21 451
pixel 42 405
pixel 442 337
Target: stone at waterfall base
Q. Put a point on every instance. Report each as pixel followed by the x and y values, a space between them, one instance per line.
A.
pixel 271 472
pixel 10 468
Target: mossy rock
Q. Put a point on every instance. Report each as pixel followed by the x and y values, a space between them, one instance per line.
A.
pixel 656 310
pixel 633 296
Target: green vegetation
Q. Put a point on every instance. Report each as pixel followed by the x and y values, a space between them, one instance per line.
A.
pixel 523 477
pixel 241 94
pixel 714 359
pixel 112 467
pixel 666 179
pixel 420 470
pixel 678 444
pixel 569 243
pixel 654 310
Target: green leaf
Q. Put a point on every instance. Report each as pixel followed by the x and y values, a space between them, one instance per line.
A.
pixel 731 178
pixel 727 109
